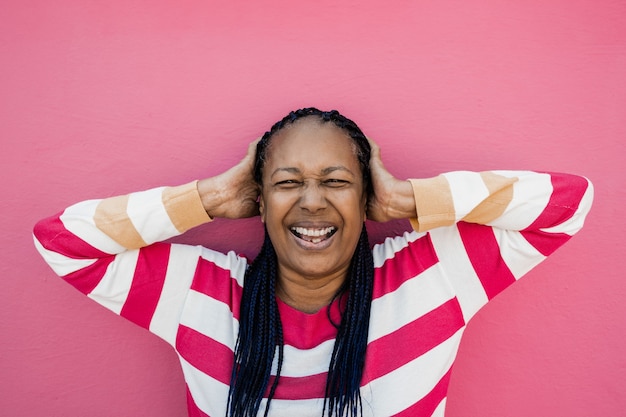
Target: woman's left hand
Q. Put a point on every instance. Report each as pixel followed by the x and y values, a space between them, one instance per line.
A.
pixel 392 198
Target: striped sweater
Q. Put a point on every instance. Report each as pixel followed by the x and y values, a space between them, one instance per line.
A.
pixel 475 234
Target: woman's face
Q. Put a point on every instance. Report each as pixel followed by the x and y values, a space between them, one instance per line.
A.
pixel 313 199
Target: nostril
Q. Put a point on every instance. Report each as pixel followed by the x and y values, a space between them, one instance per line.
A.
pixel 313 198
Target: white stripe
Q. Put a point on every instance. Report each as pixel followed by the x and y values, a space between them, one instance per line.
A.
pixel 458 269
pixel 518 173
pixel 514 173
pixel 209 394
pixel 388 249
pixel 204 314
pixel 231 262
pixel 301 363
pixel 210 317
pixel 290 408
pixel 147 213
pixel 400 389
pixel 181 267
pixel 468 190
pixel 519 255
pixel 531 195
pixel 440 410
pixel 417 297
pixel 78 220
pixel 61 264
pixel 113 288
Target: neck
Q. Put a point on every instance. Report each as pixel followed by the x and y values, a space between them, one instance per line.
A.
pixel 308 295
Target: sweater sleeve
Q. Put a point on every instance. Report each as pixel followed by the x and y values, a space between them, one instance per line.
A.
pixel 488 229
pixel 110 250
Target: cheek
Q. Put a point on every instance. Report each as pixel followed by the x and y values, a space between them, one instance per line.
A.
pixel 354 203
pixel 274 206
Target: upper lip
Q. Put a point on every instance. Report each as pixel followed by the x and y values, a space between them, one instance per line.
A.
pixel 312 225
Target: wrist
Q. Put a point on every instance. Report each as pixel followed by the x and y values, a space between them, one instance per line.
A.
pixel 401 202
pixel 212 196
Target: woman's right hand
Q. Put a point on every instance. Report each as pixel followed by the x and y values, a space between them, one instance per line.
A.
pixel 232 194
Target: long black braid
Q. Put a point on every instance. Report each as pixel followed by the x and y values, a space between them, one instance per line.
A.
pixel 260 329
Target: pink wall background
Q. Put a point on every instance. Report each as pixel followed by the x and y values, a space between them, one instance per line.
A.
pixel 102 98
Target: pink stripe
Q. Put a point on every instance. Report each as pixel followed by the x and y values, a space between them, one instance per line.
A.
pixel 406 264
pixel 53 235
pixel 427 405
pixel 86 279
pixel 217 283
pixel 147 284
pixel 299 388
pixel 484 253
pixel 305 331
pixel 205 354
pixel 192 408
pixel 398 348
pixel 216 360
pixel 568 191
pixel 545 243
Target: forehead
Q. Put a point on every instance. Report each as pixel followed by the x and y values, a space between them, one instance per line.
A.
pixel 312 144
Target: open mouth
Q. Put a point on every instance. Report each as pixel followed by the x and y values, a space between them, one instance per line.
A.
pixel 313 235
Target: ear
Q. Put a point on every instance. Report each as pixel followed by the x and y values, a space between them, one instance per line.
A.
pixel 262 208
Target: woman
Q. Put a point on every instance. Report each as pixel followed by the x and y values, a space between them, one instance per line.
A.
pixel 318 324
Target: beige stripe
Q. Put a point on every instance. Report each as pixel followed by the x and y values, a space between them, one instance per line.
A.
pixel 433 200
pixel 112 219
pixel 184 206
pixel 500 195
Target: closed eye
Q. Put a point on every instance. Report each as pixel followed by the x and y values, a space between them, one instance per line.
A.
pixel 288 183
pixel 335 182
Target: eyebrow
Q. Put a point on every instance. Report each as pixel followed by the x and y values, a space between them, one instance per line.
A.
pixel 328 170
pixel 325 171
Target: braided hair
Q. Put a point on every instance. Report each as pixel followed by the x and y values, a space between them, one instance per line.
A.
pixel 260 335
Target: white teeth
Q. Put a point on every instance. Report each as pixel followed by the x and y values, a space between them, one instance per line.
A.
pixel 313 232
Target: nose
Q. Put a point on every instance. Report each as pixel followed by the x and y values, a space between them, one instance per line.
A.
pixel 313 198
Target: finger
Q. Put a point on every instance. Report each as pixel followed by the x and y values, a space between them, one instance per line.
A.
pixel 373 145
pixel 253 210
pixel 253 145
